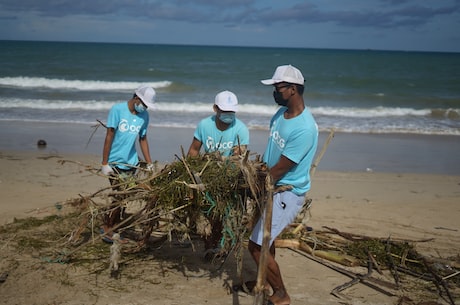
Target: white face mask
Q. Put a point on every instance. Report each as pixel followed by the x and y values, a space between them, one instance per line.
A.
pixel 139 108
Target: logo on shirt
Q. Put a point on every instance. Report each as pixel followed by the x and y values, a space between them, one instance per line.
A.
pixel 125 127
pixel 276 137
pixel 211 146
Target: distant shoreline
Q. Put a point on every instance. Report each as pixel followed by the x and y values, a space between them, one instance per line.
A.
pixel 227 46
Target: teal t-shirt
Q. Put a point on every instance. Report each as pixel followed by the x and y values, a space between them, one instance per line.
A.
pixel 213 139
pixel 128 127
pixel 297 140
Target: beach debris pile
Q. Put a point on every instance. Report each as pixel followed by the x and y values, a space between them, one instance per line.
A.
pixel 182 198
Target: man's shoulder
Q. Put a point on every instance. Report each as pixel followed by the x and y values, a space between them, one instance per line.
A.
pixel 308 118
pixel 207 120
pixel 205 125
pixel 119 106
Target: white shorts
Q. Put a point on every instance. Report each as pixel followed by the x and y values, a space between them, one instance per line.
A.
pixel 286 206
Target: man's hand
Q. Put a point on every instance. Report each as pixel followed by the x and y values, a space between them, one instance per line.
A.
pixel 239 150
pixel 106 170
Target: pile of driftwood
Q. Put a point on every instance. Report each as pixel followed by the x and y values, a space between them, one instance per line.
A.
pixel 182 198
pixel 393 260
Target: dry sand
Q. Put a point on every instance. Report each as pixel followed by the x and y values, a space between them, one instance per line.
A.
pixel 408 206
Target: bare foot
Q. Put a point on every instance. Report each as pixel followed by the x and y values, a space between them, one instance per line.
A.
pixel 280 297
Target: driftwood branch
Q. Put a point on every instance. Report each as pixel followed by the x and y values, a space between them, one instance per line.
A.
pixel 322 152
pixel 259 296
pixel 357 237
pixel 336 291
pixel 362 279
pixel 439 282
pixel 94 131
pixel 368 281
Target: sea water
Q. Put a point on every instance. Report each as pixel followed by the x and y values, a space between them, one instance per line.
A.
pixel 354 91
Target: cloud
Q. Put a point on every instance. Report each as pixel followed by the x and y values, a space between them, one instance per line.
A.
pixel 379 13
pixel 378 16
pixel 173 9
pixel 350 23
pixel 56 8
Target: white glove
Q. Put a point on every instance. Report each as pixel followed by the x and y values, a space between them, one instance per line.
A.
pixel 106 170
pixel 150 167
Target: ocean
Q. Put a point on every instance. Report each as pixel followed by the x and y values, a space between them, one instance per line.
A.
pixel 351 91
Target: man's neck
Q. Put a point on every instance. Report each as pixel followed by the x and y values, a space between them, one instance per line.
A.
pixel 295 108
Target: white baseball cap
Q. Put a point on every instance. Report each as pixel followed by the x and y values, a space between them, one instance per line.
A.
pixel 147 94
pixel 286 73
pixel 226 101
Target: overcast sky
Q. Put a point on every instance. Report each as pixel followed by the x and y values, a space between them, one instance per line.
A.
pixel 423 25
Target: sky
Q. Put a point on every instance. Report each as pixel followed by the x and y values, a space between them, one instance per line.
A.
pixel 407 25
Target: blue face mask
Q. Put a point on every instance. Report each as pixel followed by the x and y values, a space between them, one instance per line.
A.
pixel 227 118
pixel 139 108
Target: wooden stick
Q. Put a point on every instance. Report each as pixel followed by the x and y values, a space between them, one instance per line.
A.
pixel 336 291
pixel 322 152
pixel 335 257
pixel 259 296
pixel 358 237
pixel 183 160
pixel 368 281
pixel 439 282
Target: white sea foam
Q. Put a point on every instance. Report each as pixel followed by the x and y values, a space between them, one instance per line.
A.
pixel 369 112
pixel 86 85
pixel 53 104
pixel 199 107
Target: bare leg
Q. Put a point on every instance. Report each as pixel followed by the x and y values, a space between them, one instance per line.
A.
pixel 280 295
pixel 113 216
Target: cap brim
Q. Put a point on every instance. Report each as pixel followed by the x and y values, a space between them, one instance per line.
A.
pixel 150 105
pixel 234 109
pixel 268 81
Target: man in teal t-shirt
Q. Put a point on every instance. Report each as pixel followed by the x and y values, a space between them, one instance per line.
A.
pixel 289 154
pixel 223 133
pixel 126 123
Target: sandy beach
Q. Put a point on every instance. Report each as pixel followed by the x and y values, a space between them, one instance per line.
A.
pixel 364 198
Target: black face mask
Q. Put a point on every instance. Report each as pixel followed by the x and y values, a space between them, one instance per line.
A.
pixel 278 96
